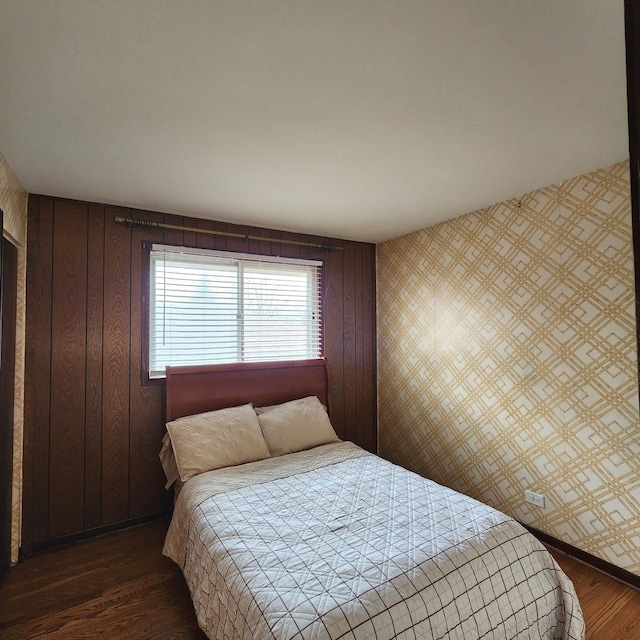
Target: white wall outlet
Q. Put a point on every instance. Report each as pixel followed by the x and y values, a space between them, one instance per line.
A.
pixel 534 498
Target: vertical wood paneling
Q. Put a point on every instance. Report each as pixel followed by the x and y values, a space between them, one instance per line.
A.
pixel 349 343
pixel 93 388
pixel 146 406
pixel 304 250
pixel 205 240
pixel 116 353
pixel 265 248
pixel 333 308
pixel 190 239
pixel 173 236
pixel 107 461
pixel 220 241
pixel 38 369
pixel 316 253
pixel 68 358
pixel 237 244
pixel 359 343
pixel 276 247
pixel 291 250
pixel 253 246
pixel 368 328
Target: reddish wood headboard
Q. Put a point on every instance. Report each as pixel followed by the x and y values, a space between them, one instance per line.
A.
pixel 202 388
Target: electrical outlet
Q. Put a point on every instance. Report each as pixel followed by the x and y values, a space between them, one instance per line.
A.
pixel 534 498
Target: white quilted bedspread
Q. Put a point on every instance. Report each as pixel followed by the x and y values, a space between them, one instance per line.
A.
pixel 337 543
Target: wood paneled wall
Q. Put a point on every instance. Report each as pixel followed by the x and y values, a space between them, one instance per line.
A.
pixel 93 424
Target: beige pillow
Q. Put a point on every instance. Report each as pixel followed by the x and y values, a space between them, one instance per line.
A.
pixel 216 439
pixel 296 425
pixel 168 461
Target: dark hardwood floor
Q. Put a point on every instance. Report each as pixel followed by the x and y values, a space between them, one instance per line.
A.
pixel 121 587
pixel 117 586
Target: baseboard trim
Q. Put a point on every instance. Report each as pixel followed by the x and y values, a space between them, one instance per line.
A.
pixel 623 575
pixel 89 534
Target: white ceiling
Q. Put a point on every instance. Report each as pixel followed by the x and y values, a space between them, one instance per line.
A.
pixel 357 119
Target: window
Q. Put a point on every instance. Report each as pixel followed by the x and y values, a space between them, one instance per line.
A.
pixel 208 307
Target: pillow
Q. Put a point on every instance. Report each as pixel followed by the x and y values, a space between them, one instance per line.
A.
pixel 168 461
pixel 216 439
pixel 296 425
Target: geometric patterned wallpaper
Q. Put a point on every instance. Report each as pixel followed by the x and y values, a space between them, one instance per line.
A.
pixel 13 202
pixel 507 360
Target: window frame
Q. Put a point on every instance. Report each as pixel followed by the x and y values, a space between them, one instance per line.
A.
pixel 147 247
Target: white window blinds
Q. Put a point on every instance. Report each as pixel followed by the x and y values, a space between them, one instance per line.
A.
pixel 208 307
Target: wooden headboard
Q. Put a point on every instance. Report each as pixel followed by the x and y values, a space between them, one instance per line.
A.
pixel 196 389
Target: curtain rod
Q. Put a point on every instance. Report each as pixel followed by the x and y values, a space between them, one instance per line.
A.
pixel 134 222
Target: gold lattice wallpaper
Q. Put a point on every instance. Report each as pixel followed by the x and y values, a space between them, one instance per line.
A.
pixel 507 360
pixel 13 202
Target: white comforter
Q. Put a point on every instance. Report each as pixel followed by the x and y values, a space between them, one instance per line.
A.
pixel 338 543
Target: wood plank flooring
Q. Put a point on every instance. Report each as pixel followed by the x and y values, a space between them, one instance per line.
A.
pixel 117 586
pixel 611 608
pixel 121 587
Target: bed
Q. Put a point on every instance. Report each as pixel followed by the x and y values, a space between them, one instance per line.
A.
pixel 330 541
